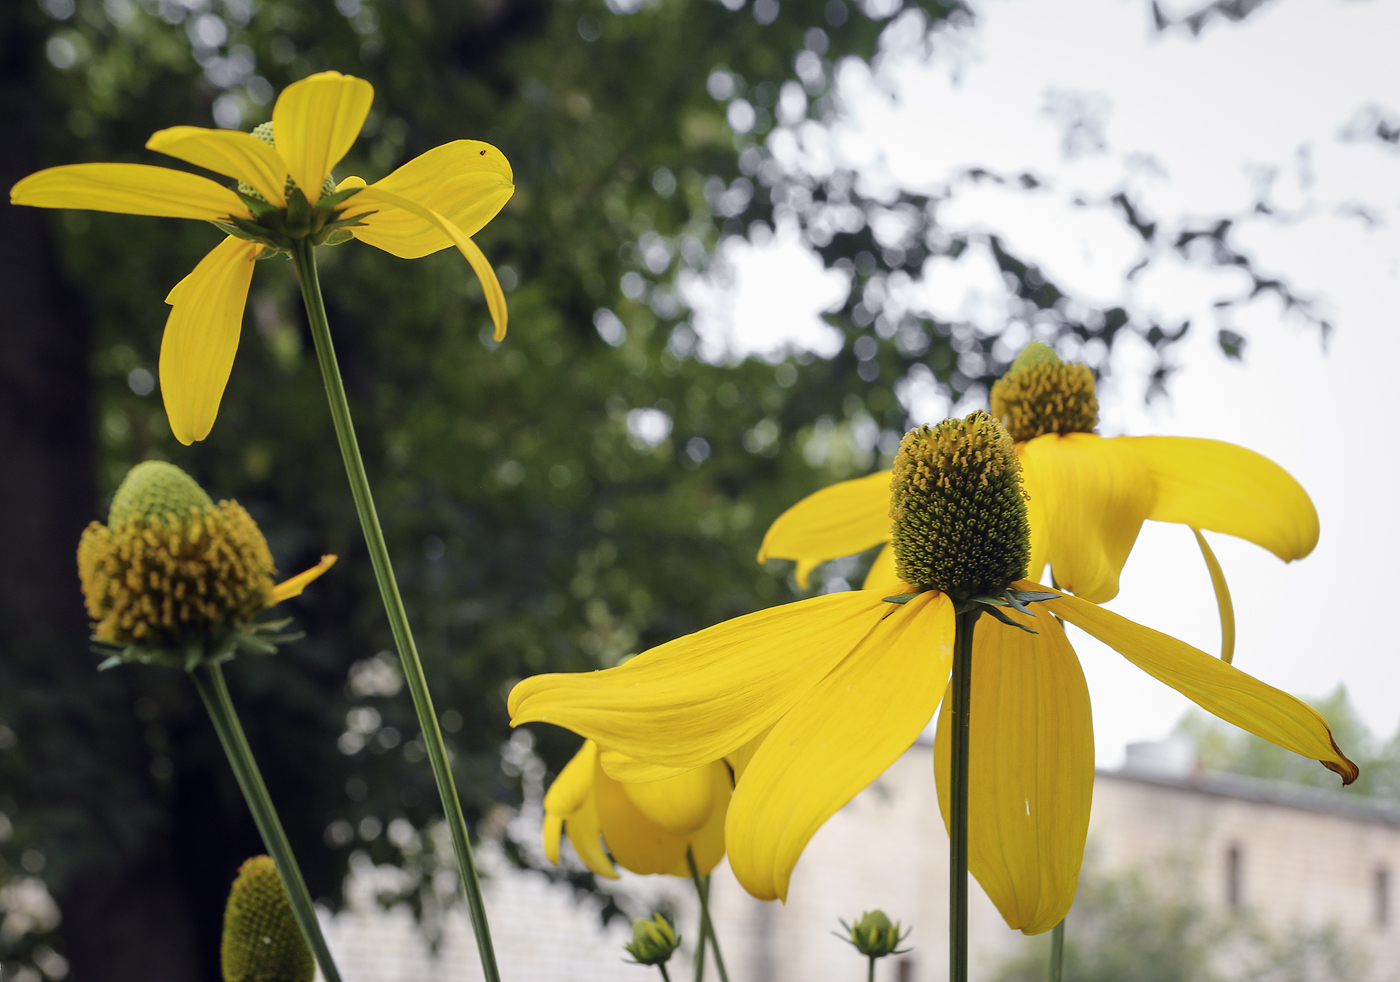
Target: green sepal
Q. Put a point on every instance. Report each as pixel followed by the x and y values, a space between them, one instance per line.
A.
pixel 260 638
pixel 902 598
pixel 259 207
pixel 253 231
pixel 989 609
pixel 336 198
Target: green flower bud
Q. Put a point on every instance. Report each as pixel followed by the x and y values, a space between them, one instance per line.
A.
pixel 262 940
pixel 1040 394
pixel 653 941
pixel 874 936
pixel 958 508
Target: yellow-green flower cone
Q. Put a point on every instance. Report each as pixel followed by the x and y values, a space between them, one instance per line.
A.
pixel 262 942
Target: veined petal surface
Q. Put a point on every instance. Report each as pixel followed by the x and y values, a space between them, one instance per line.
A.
pixel 1212 684
pixel 385 204
pixel 241 156
pixel 315 122
pixel 839 520
pixel 201 337
pixel 841 736
pixel 1031 769
pixel 129 189
pixel 467 182
pixel 695 699
pixel 1094 495
pixel 1209 484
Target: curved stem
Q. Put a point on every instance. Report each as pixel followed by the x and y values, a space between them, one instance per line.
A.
pixel 700 948
pixel 957 856
pixel 305 261
pixel 209 680
pixel 664 975
pixel 707 927
pixel 1057 951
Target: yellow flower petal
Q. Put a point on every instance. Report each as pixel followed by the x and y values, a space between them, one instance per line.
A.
pixel 385 203
pixel 293 586
pixel 1213 685
pixel 1031 769
pixel 839 738
pixel 201 337
pixel 466 182
pixel 636 842
pixel 569 803
pixel 315 122
pixel 679 804
pixel 693 700
pixel 708 843
pixel 1093 497
pixel 241 156
pixel 587 837
pixel 1218 486
pixel 882 576
pixel 1222 599
pixel 129 189
pixel 839 520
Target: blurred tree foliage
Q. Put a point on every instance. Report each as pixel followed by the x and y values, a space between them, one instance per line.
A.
pixel 589 487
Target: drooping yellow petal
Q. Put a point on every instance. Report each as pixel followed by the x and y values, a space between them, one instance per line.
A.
pixel 1213 685
pixel 1217 486
pixel 315 122
pixel 839 520
pixel 1093 497
pixel 293 586
pixel 241 156
pixel 129 189
pixel 695 699
pixel 837 739
pixel 636 842
pixel 882 575
pixel 201 337
pixel 708 843
pixel 569 803
pixel 383 203
pixel 679 804
pixel 467 182
pixel 1222 599
pixel 1031 769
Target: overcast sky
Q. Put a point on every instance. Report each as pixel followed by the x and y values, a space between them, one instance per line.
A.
pixel 1088 95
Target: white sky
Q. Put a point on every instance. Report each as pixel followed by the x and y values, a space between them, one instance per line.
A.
pixel 1194 127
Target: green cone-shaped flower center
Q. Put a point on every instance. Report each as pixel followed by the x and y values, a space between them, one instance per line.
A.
pixel 263 131
pixel 156 488
pixel 958 509
pixel 262 941
pixel 1040 394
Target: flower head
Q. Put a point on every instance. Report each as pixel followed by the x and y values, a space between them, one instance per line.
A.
pixel 284 195
pixel 262 940
pixel 646 827
pixel 172 571
pixel 873 935
pixel 832 689
pixel 654 940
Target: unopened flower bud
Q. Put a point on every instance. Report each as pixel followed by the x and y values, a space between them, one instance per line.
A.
pixel 262 940
pixel 874 936
pixel 653 941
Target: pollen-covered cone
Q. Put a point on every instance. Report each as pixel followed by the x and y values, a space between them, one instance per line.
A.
pixel 646 826
pixel 262 940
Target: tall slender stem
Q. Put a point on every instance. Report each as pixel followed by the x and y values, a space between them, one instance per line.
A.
pixel 665 977
pixel 957 856
pixel 209 680
pixel 305 261
pixel 1057 951
pixel 707 927
pixel 870 973
pixel 700 948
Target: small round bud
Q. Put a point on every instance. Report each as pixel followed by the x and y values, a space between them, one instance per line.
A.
pixel 653 941
pixel 874 936
pixel 262 940
pixel 1040 394
pixel 172 567
pixel 958 508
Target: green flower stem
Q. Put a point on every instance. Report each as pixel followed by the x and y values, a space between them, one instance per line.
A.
pixel 1057 951
pixel 700 948
pixel 707 928
pixel 957 856
pixel 305 260
pixel 209 680
pixel 870 975
pixel 664 976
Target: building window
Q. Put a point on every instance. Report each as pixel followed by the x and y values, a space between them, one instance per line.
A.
pixel 1234 876
pixel 1382 896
